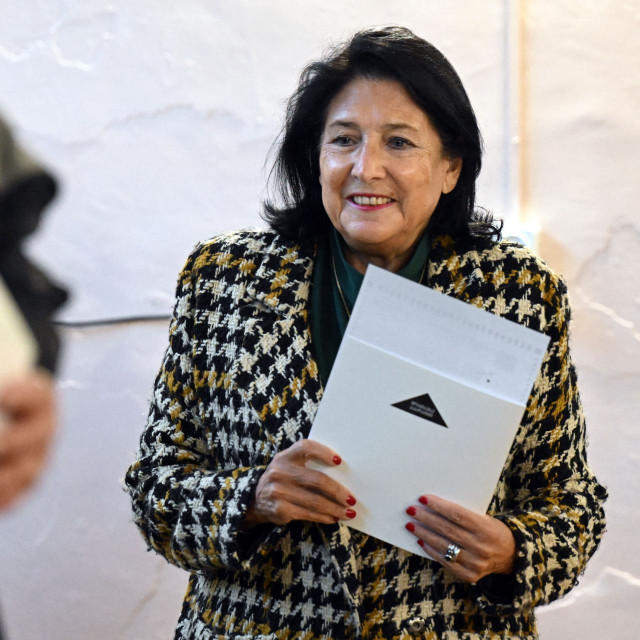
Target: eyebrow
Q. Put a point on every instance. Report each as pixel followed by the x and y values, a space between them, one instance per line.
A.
pixel 348 124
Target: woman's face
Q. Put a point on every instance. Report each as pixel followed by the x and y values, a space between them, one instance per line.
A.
pixel 382 171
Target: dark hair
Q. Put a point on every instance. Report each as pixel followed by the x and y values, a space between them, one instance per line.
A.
pixel 393 53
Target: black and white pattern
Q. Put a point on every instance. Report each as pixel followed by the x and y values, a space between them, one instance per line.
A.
pixel 238 384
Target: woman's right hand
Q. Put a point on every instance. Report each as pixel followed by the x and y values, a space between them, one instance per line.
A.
pixel 288 490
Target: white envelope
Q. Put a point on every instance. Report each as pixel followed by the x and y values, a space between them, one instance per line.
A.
pixel 425 396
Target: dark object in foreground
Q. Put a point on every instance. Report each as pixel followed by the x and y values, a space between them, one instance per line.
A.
pixel 25 190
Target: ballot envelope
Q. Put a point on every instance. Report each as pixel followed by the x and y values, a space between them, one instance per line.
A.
pixel 425 396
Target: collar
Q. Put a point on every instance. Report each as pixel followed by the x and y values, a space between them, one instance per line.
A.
pixel 350 279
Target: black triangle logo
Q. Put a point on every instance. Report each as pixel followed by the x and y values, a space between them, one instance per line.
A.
pixel 423 407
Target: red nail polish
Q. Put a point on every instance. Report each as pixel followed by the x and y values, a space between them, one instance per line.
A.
pixel 410 527
pixel 421 543
pixel 350 513
pixel 423 500
pixel 337 460
pixel 411 511
pixel 351 500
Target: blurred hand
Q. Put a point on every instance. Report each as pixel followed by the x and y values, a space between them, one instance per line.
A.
pixel 486 544
pixel 28 419
pixel 288 490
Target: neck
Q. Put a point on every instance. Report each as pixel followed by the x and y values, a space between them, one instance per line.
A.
pixel 360 261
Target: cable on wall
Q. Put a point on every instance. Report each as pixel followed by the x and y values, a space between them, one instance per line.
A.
pixel 107 322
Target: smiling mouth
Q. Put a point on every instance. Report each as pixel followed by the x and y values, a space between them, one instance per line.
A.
pixel 370 201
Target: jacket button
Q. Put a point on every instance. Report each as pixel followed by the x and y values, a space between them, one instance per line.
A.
pixel 416 627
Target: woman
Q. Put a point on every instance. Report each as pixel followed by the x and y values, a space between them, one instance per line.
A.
pixel 377 165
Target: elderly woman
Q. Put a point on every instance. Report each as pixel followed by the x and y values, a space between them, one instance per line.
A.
pixel 377 165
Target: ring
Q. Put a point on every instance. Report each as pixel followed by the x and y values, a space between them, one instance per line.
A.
pixel 452 552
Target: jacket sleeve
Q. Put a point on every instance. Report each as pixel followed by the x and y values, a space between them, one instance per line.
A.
pixel 188 509
pixel 547 495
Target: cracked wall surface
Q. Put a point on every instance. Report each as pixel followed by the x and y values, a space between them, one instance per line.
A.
pixel 158 116
pixel 584 155
pixel 160 120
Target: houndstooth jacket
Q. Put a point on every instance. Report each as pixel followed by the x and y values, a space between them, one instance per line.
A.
pixel 239 383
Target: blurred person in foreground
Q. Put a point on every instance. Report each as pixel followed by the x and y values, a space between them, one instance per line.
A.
pixel 27 397
pixel 377 164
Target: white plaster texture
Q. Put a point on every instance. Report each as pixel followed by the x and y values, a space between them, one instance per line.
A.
pixel 584 159
pixel 73 566
pixel 157 116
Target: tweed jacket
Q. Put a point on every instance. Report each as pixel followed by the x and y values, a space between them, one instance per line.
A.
pixel 239 383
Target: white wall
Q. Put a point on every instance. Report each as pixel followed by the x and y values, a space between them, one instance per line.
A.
pixel 584 157
pixel 158 116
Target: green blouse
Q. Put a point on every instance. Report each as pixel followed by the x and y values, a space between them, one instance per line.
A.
pixel 329 317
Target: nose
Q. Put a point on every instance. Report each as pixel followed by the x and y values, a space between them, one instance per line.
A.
pixel 368 163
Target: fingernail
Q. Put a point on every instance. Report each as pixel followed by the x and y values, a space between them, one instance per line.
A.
pixel 351 500
pixel 337 459
pixel 423 500
pixel 421 542
pixel 411 511
pixel 410 526
pixel 350 513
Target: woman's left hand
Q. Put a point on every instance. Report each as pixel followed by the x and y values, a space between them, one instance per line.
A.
pixel 486 544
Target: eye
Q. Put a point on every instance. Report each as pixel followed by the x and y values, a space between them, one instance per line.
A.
pixel 342 141
pixel 399 143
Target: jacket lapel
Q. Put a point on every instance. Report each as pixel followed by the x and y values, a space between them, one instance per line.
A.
pixel 275 369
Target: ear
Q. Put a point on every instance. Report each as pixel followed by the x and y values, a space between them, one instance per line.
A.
pixel 452 173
